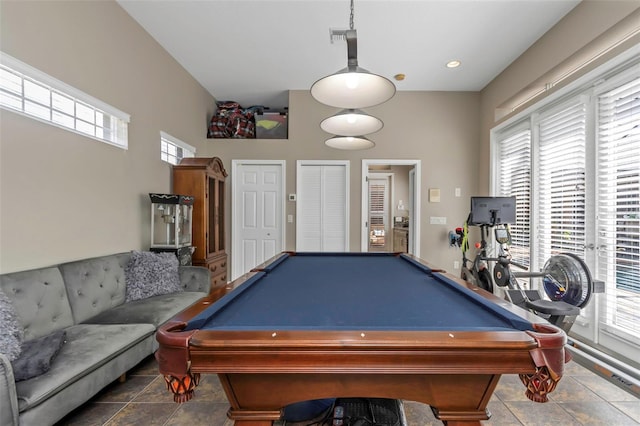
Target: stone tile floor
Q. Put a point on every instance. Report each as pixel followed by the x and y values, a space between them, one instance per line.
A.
pixel 581 398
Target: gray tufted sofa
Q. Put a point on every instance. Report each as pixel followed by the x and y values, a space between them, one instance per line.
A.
pixel 105 337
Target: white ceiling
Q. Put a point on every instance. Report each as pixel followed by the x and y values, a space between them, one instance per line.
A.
pixel 253 52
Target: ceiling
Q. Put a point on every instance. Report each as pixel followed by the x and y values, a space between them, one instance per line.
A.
pixel 253 52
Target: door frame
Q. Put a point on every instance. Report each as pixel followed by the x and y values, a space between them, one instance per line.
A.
pixel 415 232
pixel 235 229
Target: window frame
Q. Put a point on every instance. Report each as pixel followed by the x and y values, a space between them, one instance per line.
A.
pixel 171 140
pixel 118 119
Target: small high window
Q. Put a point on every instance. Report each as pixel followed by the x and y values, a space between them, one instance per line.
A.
pixel 172 150
pixel 28 91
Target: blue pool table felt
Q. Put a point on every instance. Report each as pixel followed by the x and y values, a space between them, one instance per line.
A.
pixel 353 291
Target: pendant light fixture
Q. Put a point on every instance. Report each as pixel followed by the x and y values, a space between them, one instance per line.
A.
pixel 351 122
pixel 351 143
pixel 352 87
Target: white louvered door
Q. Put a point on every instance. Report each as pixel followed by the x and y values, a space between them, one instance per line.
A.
pixel 322 206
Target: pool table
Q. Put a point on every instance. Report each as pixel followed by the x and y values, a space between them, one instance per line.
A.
pixel 307 326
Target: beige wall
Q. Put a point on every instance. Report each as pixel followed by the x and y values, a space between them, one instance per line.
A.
pixel 577 31
pixel 438 128
pixel 65 196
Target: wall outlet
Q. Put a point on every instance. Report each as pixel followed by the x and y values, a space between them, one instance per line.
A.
pixel 456 264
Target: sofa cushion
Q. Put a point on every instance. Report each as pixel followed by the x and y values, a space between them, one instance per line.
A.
pixel 87 348
pixel 95 285
pixel 151 274
pixel 40 299
pixel 37 355
pixel 154 310
pixel 10 329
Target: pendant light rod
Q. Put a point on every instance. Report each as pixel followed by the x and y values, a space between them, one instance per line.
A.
pixel 352 49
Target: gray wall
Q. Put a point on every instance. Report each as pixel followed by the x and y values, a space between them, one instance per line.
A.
pixel 65 197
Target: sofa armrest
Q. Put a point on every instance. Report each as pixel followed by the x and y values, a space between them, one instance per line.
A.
pixel 195 278
pixel 8 395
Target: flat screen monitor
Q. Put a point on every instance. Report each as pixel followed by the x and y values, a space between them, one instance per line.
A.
pixel 492 210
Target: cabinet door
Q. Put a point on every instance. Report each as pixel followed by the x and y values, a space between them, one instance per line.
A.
pixel 215 216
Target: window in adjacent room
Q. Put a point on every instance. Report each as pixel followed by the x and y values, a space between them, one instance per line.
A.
pixel 28 91
pixel 172 150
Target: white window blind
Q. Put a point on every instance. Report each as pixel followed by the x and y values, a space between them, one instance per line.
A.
pixel 378 202
pixel 172 150
pixel 618 139
pixel 561 177
pixel 28 91
pixel 514 180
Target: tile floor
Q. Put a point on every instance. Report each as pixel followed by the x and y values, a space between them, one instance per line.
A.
pixel 581 398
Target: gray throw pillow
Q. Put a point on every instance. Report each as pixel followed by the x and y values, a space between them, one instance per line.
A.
pixel 12 334
pixel 37 355
pixel 151 274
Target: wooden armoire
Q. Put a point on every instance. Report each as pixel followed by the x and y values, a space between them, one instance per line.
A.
pixel 204 179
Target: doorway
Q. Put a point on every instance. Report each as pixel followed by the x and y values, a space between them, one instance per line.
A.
pixel 257 208
pixel 403 212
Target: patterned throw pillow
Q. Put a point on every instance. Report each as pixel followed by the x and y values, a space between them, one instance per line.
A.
pixel 151 274
pixel 12 334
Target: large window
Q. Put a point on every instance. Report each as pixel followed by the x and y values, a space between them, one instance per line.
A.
pixel 514 180
pixel 618 226
pixel 561 182
pixel 573 165
pixel 28 91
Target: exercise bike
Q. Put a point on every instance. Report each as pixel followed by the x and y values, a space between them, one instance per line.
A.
pixel 565 277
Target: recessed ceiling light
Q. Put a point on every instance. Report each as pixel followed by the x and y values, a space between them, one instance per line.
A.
pixel 399 77
pixel 453 64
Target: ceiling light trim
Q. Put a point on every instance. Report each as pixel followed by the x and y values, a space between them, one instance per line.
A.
pixel 349 143
pixel 351 122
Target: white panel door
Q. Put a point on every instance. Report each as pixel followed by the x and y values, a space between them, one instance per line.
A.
pixel 323 206
pixel 258 214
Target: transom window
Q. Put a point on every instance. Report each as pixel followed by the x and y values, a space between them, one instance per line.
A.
pixel 28 91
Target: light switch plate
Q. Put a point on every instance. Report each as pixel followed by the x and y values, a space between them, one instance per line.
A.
pixel 436 220
pixel 434 195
